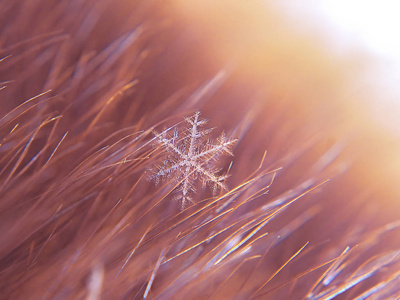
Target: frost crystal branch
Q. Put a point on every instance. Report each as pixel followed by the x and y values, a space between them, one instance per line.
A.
pixel 190 158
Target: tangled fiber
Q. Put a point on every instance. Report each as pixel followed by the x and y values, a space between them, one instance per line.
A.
pixel 309 210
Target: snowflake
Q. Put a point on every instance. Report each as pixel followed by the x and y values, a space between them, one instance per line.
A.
pixel 191 158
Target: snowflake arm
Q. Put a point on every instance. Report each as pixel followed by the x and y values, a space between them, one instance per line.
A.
pixel 214 150
pixel 188 160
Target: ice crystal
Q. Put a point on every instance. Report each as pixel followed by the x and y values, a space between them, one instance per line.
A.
pixel 190 158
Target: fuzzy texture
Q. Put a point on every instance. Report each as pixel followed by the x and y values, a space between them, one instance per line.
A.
pixel 311 211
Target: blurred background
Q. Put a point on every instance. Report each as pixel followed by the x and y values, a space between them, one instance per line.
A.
pixel 338 62
pixel 313 88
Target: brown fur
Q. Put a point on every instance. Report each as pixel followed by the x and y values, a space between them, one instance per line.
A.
pixel 81 220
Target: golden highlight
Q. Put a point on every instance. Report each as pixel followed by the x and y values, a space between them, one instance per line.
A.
pixel 310 210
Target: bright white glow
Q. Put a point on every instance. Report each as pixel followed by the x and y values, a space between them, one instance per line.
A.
pixel 363 26
pixel 376 23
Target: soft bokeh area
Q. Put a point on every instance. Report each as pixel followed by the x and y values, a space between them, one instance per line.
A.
pixel 331 62
pixel 196 150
